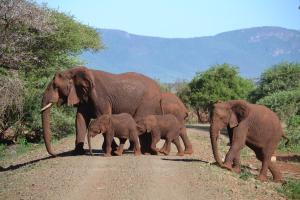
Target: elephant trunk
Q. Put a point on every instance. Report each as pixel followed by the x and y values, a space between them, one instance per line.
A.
pixel 46 128
pixel 214 134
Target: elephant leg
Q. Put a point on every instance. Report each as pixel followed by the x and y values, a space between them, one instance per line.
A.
pixel 162 149
pixel 237 163
pixel 178 146
pixel 108 139
pixel 145 142
pixel 260 156
pixel 168 146
pixel 120 149
pixel 238 141
pixel 277 176
pixel 114 145
pixel 155 139
pixel 137 148
pixel 186 141
pixel 81 128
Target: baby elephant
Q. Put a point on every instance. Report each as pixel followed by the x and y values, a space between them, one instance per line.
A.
pixel 162 127
pixel 121 126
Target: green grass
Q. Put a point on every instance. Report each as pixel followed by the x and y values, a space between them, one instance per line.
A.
pixel 245 174
pixel 290 189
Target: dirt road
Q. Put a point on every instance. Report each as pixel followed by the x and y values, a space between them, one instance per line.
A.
pixel 35 176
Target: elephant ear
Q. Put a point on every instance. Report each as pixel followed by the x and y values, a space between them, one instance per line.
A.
pixel 84 84
pixel 73 98
pixel 240 111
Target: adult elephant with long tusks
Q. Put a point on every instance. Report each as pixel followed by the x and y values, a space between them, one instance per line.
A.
pixel 95 93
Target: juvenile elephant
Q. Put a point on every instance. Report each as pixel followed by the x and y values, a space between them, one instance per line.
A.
pixel 171 104
pixel 121 126
pixel 162 127
pixel 95 93
pixel 248 124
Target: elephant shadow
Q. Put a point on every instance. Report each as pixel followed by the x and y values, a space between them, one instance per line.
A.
pixel 185 160
pixel 62 154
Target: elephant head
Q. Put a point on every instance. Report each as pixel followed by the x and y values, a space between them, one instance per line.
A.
pixel 225 114
pixel 70 87
pixel 146 124
pixel 100 125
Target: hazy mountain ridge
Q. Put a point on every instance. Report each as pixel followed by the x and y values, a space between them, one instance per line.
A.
pixel 168 59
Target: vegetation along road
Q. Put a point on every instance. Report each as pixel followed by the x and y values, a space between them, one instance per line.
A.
pixel 34 175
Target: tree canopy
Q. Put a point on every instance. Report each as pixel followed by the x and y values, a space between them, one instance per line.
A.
pixel 218 83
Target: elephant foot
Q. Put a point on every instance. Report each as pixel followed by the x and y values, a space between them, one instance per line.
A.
pixel 262 178
pixel 118 153
pixel 236 170
pixel 227 166
pixel 107 155
pixel 165 153
pixel 137 153
pixel 78 149
pixel 278 180
pixel 188 150
pixel 147 153
pixel 180 154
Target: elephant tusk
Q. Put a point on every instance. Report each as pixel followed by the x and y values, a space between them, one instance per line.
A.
pixel 47 106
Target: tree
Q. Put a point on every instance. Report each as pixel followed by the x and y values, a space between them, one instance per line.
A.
pixel 281 77
pixel 21 23
pixel 279 89
pixel 218 83
pixel 35 43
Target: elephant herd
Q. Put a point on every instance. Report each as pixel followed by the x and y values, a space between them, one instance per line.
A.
pixel 132 106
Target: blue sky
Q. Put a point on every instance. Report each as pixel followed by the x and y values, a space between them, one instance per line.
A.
pixel 181 18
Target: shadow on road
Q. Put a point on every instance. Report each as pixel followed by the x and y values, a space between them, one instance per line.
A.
pixel 63 154
pixel 17 166
pixel 184 160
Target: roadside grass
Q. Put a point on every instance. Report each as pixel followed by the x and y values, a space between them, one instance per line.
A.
pixel 291 189
pixel 21 147
pixel 245 174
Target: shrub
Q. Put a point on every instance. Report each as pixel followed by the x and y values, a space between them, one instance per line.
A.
pixel 291 189
pixel 284 103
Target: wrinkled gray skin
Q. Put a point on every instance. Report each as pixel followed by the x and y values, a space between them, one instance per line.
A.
pixel 248 124
pixel 162 127
pixel 94 93
pixel 121 126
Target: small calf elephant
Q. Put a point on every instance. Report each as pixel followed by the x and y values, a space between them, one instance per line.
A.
pixel 248 124
pixel 162 127
pixel 121 126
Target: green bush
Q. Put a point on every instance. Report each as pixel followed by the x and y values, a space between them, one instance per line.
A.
pixel 292 131
pixel 281 77
pixel 284 103
pixel 290 189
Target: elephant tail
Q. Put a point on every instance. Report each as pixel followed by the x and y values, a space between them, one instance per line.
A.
pixel 287 140
pixel 161 106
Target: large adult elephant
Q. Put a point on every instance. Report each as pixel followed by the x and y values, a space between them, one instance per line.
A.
pixel 248 124
pixel 95 93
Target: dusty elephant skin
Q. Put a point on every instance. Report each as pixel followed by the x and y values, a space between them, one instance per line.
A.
pixel 95 93
pixel 121 126
pixel 162 127
pixel 248 124
pixel 171 104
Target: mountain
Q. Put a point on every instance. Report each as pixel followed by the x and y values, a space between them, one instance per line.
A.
pixel 169 59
